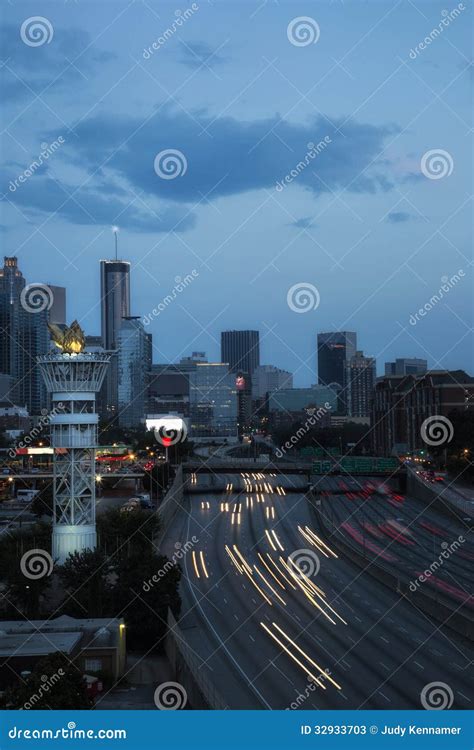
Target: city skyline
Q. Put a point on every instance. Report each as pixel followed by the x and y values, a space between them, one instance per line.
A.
pixel 243 123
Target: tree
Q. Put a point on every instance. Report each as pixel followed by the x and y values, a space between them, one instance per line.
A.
pixel 86 578
pixel 120 533
pixel 146 585
pixel 63 688
pixel 26 567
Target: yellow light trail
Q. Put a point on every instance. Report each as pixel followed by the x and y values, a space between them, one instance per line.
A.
pixel 277 540
pixel 269 586
pixel 311 661
pixel 249 576
pixel 281 585
pixel 279 571
pixel 196 570
pixel 320 541
pixel 201 555
pixel 234 560
pixel 272 545
pixel 292 656
pixel 245 564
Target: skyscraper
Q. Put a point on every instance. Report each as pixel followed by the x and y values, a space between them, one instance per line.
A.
pixel 334 349
pixel 359 385
pixel 213 403
pixel 25 311
pixel 115 305
pixel 134 364
pixel 241 350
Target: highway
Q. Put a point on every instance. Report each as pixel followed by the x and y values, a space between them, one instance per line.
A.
pixel 268 636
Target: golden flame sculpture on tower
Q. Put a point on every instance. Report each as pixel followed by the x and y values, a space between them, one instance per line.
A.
pixel 70 340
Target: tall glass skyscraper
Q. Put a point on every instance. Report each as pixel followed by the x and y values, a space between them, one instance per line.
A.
pixel 115 305
pixel 241 350
pixel 334 350
pixel 24 333
pixel 212 401
pixel 134 365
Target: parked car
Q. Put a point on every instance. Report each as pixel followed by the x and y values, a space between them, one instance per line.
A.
pixel 130 506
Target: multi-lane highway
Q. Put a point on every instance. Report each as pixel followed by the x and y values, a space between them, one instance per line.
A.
pixel 278 618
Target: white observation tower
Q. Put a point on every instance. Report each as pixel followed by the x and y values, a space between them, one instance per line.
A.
pixel 73 377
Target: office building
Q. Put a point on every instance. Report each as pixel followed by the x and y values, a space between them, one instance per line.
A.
pixel 359 381
pixel 289 406
pixel 24 333
pixel 213 404
pixel 406 366
pixel 241 351
pixel 403 402
pixel 334 349
pixel 267 378
pixel 134 364
pixel 115 305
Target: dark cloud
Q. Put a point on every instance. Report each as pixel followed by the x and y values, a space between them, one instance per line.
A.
pixel 56 66
pixel 197 55
pixel 87 206
pixel 306 222
pixel 397 217
pixel 225 156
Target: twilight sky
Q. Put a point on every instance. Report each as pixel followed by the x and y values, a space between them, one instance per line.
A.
pixel 374 222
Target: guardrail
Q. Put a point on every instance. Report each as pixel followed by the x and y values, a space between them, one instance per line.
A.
pixel 188 670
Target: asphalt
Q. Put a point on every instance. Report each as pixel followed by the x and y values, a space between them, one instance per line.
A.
pixel 382 655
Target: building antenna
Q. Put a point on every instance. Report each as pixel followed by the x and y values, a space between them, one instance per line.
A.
pixel 115 230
